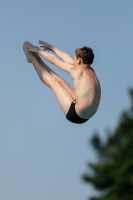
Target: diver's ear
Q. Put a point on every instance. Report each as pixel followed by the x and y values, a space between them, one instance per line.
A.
pixel 79 61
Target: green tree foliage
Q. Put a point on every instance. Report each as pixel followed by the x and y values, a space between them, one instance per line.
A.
pixel 112 174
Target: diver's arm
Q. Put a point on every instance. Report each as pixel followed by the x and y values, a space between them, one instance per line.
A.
pixel 64 56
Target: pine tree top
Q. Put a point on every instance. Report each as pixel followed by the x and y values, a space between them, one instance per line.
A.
pixel 112 174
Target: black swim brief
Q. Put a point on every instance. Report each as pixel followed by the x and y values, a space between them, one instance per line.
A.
pixel 72 115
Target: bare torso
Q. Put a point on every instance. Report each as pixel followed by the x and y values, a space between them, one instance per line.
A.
pixel 87 91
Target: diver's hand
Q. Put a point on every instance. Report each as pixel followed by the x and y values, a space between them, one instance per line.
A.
pixel 45 46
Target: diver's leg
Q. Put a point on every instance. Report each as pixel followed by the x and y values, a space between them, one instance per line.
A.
pixel 63 96
pixel 42 65
pixel 54 75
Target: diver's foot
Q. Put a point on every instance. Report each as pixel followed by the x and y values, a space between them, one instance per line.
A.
pixel 27 53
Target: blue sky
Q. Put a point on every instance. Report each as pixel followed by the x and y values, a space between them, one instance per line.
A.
pixel 42 155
